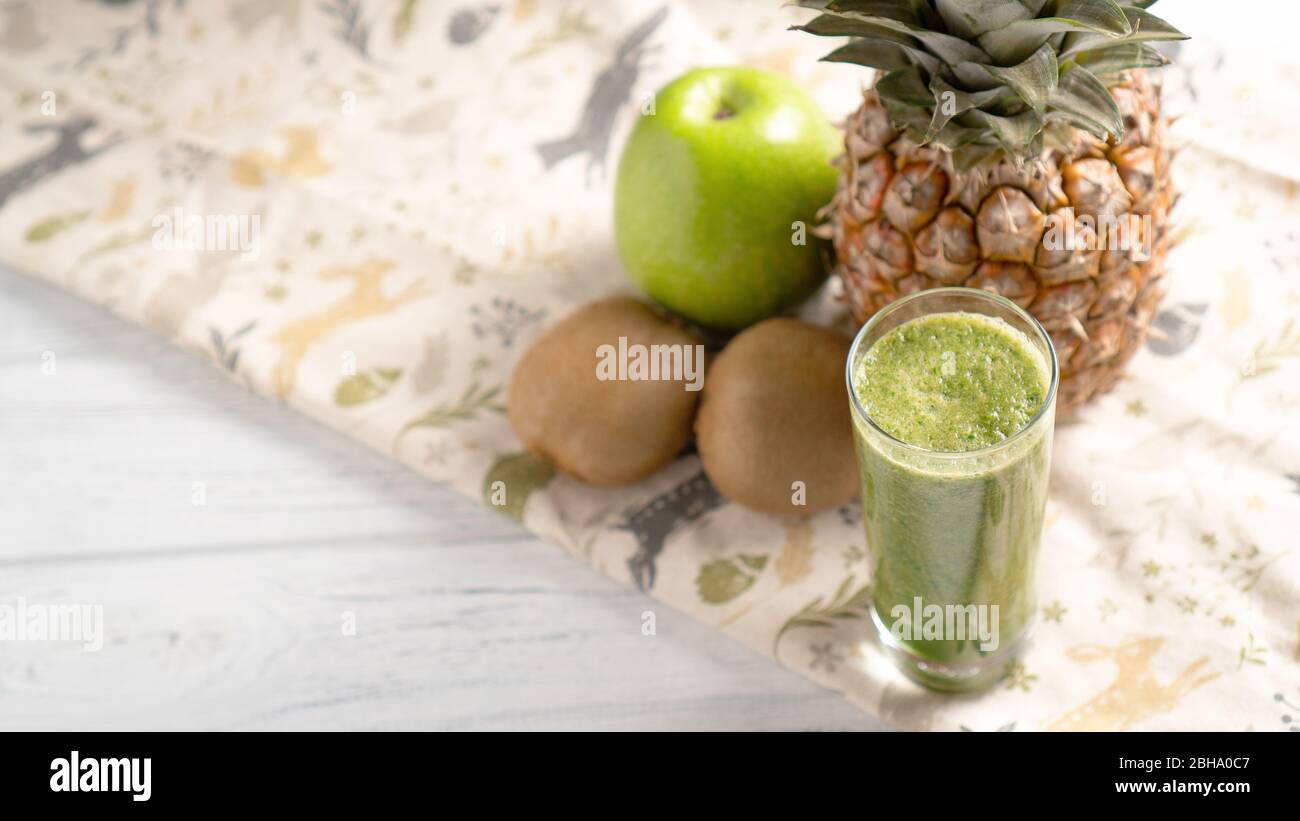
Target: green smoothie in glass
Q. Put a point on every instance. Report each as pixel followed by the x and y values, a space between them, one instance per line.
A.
pixel 953 393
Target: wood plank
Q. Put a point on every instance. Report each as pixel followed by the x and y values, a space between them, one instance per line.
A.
pixel 497 635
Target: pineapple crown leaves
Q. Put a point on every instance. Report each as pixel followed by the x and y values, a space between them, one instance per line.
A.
pixel 992 78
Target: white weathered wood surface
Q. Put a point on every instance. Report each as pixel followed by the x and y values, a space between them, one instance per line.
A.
pixel 231 614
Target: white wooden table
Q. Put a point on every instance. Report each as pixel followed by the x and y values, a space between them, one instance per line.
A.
pixel 231 614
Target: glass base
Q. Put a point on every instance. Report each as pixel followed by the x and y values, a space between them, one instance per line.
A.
pixel 946 677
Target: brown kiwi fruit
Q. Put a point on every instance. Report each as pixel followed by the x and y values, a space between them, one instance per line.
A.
pixel 774 412
pixel 611 432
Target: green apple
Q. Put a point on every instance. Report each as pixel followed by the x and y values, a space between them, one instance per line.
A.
pixel 718 189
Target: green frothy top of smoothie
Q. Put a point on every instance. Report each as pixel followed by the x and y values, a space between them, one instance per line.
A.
pixel 952 382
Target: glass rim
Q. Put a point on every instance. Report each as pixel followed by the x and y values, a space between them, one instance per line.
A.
pixel 1048 402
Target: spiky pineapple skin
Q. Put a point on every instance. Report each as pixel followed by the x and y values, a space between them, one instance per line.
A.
pixel 903 220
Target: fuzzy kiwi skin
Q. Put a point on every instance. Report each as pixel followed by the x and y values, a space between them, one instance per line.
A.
pixel 775 411
pixel 602 432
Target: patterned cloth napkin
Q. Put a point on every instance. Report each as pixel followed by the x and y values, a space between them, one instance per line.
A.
pixel 424 186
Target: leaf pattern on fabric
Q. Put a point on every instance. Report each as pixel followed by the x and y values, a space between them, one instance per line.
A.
pixel 403 19
pixel 115 242
pixel 429 372
pixel 476 400
pixel 512 479
pixel 352 28
pixel 1270 354
pixel 571 24
pixel 792 565
pixel 51 227
pixel 123 37
pixel 119 201
pixel 722 580
pixel 504 319
pixel 365 386
pixel 224 348
pixel 847 602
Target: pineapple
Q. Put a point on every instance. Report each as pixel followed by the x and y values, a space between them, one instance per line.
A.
pixel 1011 145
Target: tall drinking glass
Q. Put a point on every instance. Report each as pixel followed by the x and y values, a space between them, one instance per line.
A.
pixel 953 535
